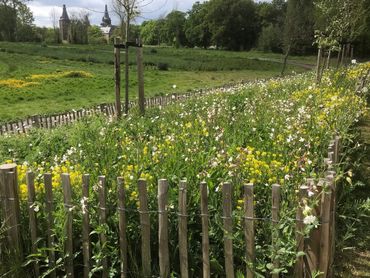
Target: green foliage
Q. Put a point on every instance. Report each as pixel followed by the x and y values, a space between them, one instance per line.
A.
pixel 233 24
pixel 270 39
pixel 299 26
pixel 16 21
pixel 196 28
pixel 150 32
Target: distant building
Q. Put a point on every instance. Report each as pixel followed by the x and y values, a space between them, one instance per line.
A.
pixel 106 26
pixel 65 26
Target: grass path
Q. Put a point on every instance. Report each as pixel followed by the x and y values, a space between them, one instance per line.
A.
pixel 355 262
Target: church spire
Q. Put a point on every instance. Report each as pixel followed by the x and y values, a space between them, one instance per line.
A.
pixel 64 14
pixel 106 21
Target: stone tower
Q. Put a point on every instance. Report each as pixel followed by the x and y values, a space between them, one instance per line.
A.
pixel 64 26
pixel 106 21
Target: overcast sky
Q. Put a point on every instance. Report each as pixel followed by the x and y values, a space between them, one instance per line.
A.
pixel 151 9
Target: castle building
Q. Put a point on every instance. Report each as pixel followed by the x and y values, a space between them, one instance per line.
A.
pixel 64 26
pixel 106 26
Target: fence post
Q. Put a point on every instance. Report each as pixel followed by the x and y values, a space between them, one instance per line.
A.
pixel 33 217
pixel 228 233
pixel 164 260
pixel 86 224
pixel 10 208
pixel 333 208
pixel 275 223
pixel 183 230
pixel 325 228
pixel 50 221
pixel 103 222
pixel 249 228
pixel 122 225
pixel 299 266
pixel 145 228
pixel 205 236
pixel 67 194
pixel 313 244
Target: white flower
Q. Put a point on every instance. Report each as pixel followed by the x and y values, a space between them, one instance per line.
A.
pixel 174 86
pixel 84 205
pixel 310 219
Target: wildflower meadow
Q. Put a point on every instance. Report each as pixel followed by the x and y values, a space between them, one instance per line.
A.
pixel 263 133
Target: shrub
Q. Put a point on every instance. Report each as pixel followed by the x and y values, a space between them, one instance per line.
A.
pixel 162 66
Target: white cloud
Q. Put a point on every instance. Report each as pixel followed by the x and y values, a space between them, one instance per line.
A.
pixel 152 9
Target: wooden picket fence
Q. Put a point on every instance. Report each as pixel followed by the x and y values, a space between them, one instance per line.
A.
pixel 109 109
pixel 318 248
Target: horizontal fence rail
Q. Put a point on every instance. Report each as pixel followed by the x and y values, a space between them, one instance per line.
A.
pixel 318 248
pixel 107 109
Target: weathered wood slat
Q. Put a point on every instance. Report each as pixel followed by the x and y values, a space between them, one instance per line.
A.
pixel 183 230
pixel 249 228
pixel 85 225
pixel 228 232
pixel 69 255
pixel 205 235
pixel 33 218
pixel 49 206
pixel 164 258
pixel 103 222
pixel 145 228
pixel 122 225
pixel 275 222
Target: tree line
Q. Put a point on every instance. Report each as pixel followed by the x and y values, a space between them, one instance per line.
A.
pixel 293 26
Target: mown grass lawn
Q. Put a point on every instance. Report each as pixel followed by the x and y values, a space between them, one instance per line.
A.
pixel 40 80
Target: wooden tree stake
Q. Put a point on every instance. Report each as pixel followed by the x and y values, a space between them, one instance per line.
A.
pixel 117 74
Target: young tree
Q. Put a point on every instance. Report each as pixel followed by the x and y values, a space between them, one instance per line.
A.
pixel 79 28
pixel 339 22
pixel 55 22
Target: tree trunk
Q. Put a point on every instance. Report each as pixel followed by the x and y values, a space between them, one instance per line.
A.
pixel 285 60
pixel 339 55
pixel 318 68
pixel 328 59
pixel 343 54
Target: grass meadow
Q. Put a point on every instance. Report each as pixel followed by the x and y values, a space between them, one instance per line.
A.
pixel 40 79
